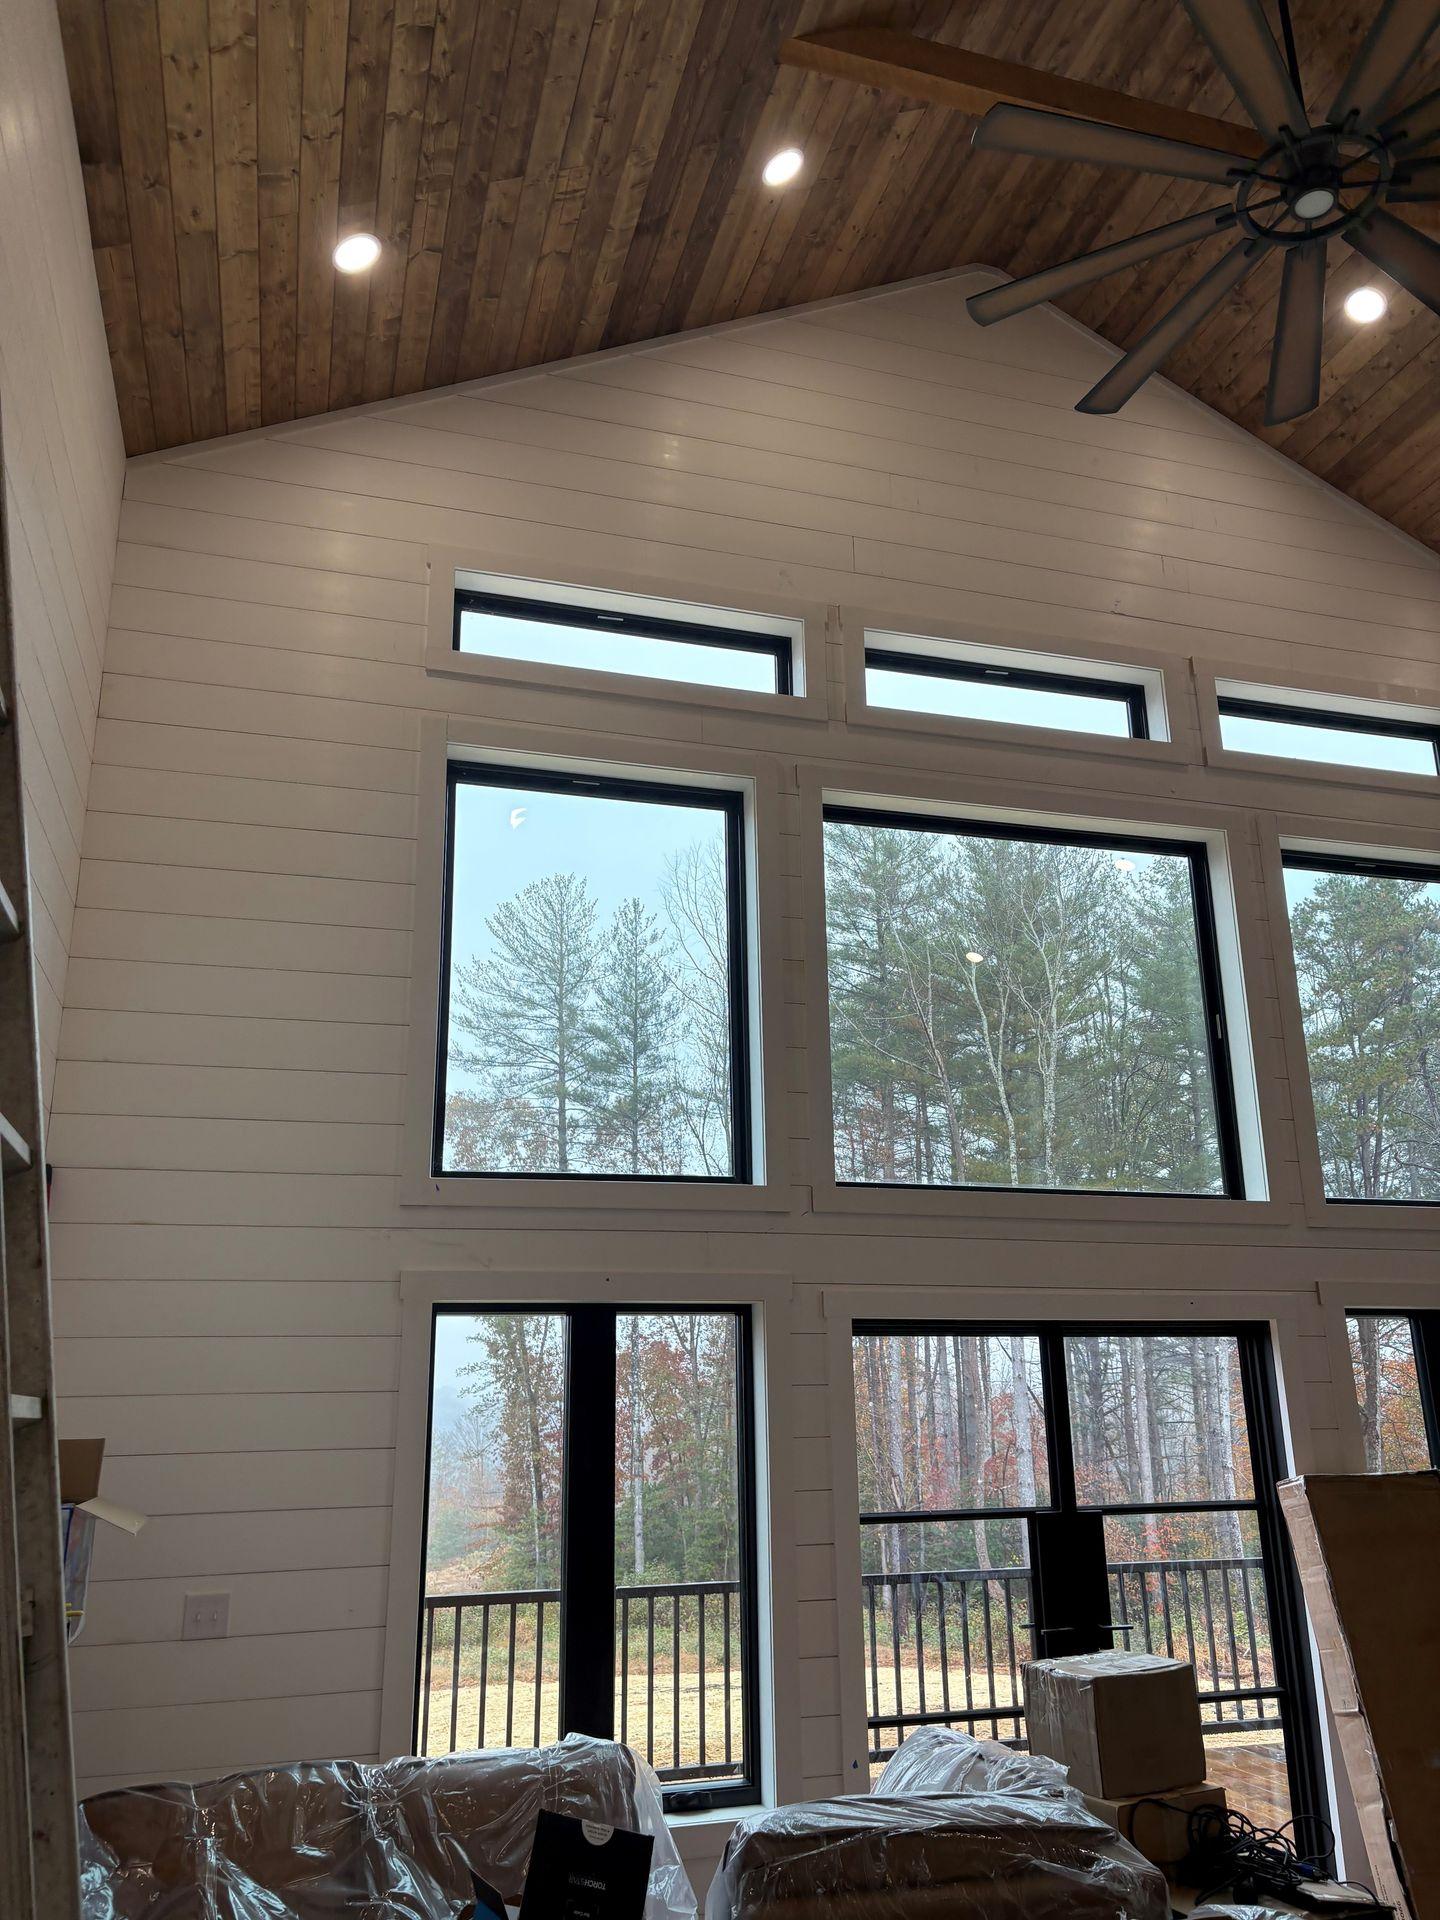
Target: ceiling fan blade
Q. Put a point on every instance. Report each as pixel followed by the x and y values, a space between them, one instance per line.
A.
pixel 973 83
pixel 1109 394
pixel 1299 328
pixel 1238 35
pixel 1413 126
pixel 1414 196
pixel 1056 136
pixel 1417 173
pixel 1386 55
pixel 1405 254
pixel 998 303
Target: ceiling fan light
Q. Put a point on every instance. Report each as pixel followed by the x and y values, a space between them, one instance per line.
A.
pixel 356 253
pixel 781 168
pixel 1314 203
pixel 1365 305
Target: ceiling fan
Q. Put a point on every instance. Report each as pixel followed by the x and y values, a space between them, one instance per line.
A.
pixel 1293 184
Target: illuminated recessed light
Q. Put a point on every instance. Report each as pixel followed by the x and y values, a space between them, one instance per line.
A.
pixel 1365 304
pixel 975 959
pixel 782 167
pixel 356 252
pixel 1125 865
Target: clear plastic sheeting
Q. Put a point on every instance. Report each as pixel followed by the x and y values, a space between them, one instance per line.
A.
pixel 943 1760
pixel 335 1840
pixel 979 1833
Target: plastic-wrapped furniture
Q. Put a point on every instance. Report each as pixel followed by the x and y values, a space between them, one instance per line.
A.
pixel 335 1840
pixel 1004 1839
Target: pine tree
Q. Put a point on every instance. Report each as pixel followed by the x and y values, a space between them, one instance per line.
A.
pixel 524 1007
pixel 630 1052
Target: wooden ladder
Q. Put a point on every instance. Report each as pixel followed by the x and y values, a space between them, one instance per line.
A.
pixel 39 1874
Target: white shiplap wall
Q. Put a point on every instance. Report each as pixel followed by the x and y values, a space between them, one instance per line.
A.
pixel 64 465
pixel 227 1230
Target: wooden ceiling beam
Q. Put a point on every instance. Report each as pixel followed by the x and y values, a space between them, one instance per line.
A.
pixel 973 83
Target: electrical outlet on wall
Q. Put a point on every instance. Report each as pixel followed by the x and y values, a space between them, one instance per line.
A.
pixel 207 1616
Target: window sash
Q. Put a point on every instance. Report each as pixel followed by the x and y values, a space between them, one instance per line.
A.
pixel 585 618
pixel 588 1660
pixel 731 806
pixel 1227 1128
pixel 1124 693
pixel 1326 719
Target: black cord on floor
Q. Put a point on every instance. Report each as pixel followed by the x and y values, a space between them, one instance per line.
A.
pixel 1228 1852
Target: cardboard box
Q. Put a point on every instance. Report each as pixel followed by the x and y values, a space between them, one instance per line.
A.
pixel 1123 1723
pixel 1368 1550
pixel 1158 1827
pixel 80 1507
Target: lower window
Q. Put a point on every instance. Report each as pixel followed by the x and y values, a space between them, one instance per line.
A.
pixel 1135 1469
pixel 1396 1361
pixel 590 1539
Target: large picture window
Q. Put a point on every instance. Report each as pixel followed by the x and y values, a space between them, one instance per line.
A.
pixel 1366 938
pixel 590 1539
pixel 593 1014
pixel 1024 1009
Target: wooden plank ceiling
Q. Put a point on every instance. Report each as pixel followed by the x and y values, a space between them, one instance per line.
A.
pixel 553 176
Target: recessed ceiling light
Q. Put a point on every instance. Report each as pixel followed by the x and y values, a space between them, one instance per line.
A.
pixel 782 167
pixel 1365 304
pixel 356 252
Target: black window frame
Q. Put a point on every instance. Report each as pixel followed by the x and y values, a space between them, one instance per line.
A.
pixel 587 1532
pixel 731 804
pixel 1424 1323
pixel 1326 719
pixel 1366 868
pixel 1127 693
pixel 1294 1675
pixel 1217 1025
pixel 778 648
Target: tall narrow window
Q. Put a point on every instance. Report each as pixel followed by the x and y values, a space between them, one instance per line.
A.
pixel 1015 1008
pixel 593 1012
pixel 908 680
pixel 1366 937
pixel 590 1539
pixel 1034 1491
pixel 1394 1357
pixel 1330 738
pixel 617 633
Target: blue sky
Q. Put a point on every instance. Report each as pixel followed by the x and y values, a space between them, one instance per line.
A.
pixel 992 700
pixel 1327 746
pixel 556 646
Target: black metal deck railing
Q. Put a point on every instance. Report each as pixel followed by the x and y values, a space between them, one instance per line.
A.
pixel 490 1673
pixel 945 1647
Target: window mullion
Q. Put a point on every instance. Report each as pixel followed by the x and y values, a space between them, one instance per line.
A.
pixel 587 1603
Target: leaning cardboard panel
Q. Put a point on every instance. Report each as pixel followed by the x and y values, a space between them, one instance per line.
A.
pixel 1368 1549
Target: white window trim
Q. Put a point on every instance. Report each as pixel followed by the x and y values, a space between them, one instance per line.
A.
pixel 1298 834
pixel 768 1296
pixel 1162 681
pixel 757 779
pixel 842 1306
pixel 1214 679
pixel 808 620
pixel 1259 1117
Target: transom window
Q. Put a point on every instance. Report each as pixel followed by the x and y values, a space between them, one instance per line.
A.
pixel 590 1539
pixel 1329 737
pixel 594 1014
pixel 1366 939
pixel 621 633
pixel 1015 1007
pixel 915 679
pixel 1396 1361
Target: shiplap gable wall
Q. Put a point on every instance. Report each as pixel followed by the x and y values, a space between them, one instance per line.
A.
pixel 64 464
pixel 227 1233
